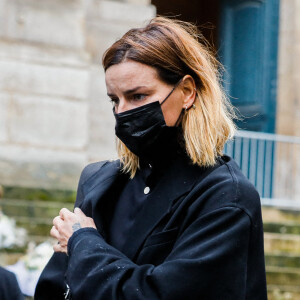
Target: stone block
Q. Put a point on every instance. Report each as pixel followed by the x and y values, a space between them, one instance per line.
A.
pixel 296 7
pixel 50 22
pixel 283 276
pixel 42 168
pixel 108 20
pixel 48 122
pixel 297 89
pixel 140 2
pixel 290 261
pixel 287 16
pixel 285 54
pixel 43 54
pixel 297 168
pixel 3 118
pixel 102 138
pixel 118 12
pixel 101 143
pixel 281 243
pixel 43 79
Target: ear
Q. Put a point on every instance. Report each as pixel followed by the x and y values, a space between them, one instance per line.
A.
pixel 188 88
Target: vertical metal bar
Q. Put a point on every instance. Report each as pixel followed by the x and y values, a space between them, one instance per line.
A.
pixel 268 169
pixel 245 157
pixel 253 161
pixel 229 148
pixel 260 167
pixel 273 167
pixel 237 150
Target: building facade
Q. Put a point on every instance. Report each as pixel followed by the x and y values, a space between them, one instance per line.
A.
pixel 55 116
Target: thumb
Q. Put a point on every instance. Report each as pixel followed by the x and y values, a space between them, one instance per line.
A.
pixel 78 212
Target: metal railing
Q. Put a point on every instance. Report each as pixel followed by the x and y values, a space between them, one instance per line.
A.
pixel 272 164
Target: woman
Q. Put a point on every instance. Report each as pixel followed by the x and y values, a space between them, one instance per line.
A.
pixel 173 218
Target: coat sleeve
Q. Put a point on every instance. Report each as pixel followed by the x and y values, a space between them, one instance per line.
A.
pixel 208 261
pixel 9 287
pixel 51 284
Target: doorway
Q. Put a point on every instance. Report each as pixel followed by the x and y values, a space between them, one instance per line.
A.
pixel 244 35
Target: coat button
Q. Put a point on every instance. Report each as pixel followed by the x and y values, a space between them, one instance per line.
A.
pixel 146 190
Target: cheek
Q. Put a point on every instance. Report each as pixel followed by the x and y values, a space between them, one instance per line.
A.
pixel 171 114
pixel 172 108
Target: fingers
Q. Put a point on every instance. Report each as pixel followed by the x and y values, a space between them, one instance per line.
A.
pixel 78 212
pixel 59 248
pixel 54 233
pixel 64 212
pixel 57 222
pixel 62 229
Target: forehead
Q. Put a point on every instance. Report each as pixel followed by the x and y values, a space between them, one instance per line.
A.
pixel 129 73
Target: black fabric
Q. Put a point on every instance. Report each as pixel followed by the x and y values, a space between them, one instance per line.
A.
pixel 127 207
pixel 131 199
pixel 198 235
pixel 9 287
pixel 144 131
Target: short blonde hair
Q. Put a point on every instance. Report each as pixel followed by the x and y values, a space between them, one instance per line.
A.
pixel 175 48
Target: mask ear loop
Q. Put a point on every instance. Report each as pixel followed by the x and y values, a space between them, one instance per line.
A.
pixel 175 86
pixel 181 114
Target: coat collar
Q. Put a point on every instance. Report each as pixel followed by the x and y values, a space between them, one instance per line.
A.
pixel 177 180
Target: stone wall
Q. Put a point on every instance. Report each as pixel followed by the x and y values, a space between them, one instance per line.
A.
pixel 288 96
pixel 288 100
pixel 54 115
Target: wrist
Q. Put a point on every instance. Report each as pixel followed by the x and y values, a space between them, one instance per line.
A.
pixel 79 234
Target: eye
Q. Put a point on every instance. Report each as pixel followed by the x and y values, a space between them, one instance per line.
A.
pixel 138 97
pixel 114 101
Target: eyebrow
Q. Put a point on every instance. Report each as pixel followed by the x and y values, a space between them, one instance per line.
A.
pixel 129 91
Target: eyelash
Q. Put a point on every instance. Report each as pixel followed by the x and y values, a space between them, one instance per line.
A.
pixel 134 97
pixel 114 101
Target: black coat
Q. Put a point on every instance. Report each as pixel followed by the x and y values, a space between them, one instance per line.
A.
pixel 199 235
pixel 9 287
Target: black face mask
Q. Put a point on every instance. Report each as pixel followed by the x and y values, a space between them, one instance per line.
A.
pixel 144 131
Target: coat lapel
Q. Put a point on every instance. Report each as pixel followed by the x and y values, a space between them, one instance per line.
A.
pixel 97 191
pixel 177 181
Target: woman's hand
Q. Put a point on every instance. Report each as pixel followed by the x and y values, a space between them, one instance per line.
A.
pixel 66 224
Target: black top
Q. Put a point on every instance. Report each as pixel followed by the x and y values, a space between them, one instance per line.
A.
pixel 197 235
pixel 132 196
pixel 130 202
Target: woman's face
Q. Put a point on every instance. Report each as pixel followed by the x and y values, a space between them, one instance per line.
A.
pixel 131 84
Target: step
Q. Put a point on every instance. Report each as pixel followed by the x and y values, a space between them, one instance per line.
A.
pixel 288 227
pixel 281 292
pixel 59 196
pixel 32 208
pixel 276 243
pixel 35 226
pixel 283 260
pixel 35 216
pixel 283 276
pixel 9 257
pixel 272 214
